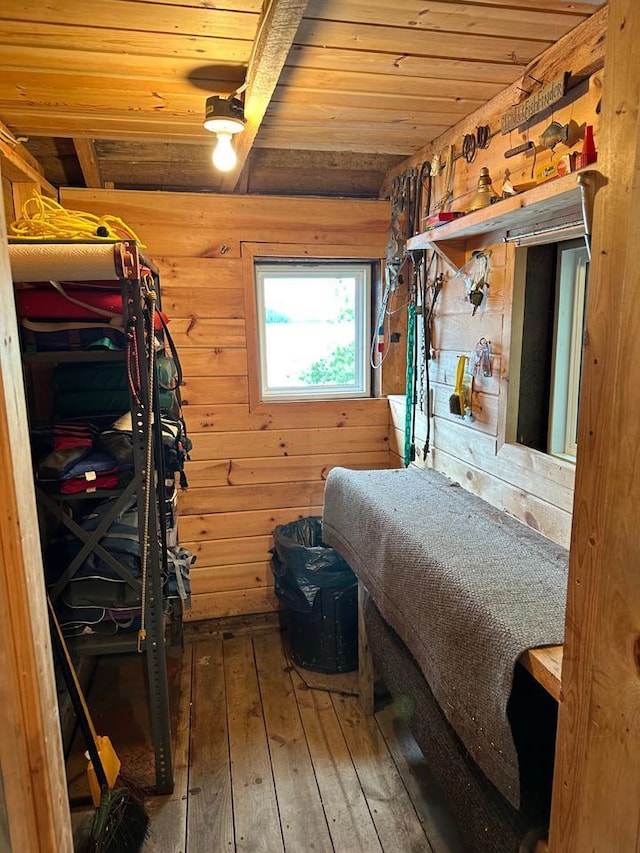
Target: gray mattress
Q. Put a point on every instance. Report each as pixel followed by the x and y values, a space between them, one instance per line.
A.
pixel 466 587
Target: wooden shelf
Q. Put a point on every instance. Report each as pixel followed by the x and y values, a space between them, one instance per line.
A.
pixel 553 202
pixel 545 665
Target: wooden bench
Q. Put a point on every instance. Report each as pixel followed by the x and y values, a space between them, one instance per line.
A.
pixel 545 665
pixel 457 593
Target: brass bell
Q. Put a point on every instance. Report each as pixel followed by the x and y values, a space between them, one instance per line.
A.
pixel 485 194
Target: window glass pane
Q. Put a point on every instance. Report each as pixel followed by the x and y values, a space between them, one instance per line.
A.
pixel 313 330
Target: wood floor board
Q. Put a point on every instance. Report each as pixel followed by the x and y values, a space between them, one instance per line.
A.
pixel 168 814
pixel 267 759
pixel 255 807
pixel 210 816
pixel 412 766
pixel 341 682
pixel 393 813
pixel 350 823
pixel 302 818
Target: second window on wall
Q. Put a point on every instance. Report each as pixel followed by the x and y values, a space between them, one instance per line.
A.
pixel 551 317
pixel 313 329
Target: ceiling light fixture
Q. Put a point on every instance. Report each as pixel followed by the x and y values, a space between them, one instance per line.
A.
pixel 224 117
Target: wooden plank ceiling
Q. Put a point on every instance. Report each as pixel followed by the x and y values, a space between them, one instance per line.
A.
pixel 338 91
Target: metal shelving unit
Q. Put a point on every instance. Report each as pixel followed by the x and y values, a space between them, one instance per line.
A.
pixel 153 645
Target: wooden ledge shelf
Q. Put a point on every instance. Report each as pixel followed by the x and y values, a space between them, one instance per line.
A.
pixel 545 665
pixel 549 203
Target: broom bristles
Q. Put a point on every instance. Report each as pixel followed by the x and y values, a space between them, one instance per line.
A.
pixel 455 406
pixel 121 823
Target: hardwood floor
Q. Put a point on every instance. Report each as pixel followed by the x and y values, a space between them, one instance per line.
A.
pixel 266 762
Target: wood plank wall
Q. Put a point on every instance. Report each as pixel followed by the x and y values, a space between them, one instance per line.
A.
pixel 251 470
pixel 534 487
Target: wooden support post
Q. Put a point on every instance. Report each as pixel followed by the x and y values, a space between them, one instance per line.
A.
pixel 17 165
pixel 365 661
pixel 20 192
pixel 596 799
pixel 89 163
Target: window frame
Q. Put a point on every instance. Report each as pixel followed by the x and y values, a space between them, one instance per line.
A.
pixel 318 268
pixel 554 473
pixel 571 289
pixel 252 253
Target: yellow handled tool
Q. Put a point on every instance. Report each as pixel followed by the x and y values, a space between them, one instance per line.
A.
pixel 457 405
pixel 121 822
pixel 104 764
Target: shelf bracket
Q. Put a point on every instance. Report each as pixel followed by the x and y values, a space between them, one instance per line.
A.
pixel 443 256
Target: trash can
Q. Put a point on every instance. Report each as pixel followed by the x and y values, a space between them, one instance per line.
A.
pixel 319 598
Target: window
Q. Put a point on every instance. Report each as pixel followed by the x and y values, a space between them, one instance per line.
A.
pixel 313 329
pixel 551 313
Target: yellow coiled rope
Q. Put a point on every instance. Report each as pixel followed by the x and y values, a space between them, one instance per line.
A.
pixel 44 219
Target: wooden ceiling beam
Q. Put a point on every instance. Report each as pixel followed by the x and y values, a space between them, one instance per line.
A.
pixel 19 166
pixel 89 163
pixel 276 31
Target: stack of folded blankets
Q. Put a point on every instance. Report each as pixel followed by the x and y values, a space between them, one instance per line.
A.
pixel 70 460
pixel 77 458
pixel 97 600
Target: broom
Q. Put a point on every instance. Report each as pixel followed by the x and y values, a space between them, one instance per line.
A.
pixel 121 823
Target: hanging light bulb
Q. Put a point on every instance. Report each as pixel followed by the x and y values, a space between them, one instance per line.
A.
pixel 224 157
pixel 224 117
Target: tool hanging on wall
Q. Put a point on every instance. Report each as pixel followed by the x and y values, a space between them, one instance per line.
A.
pixel 475 277
pixel 410 388
pixel 428 298
pixel 473 142
pixel 418 259
pixel 481 359
pixel 424 294
pixel 410 202
pixel 483 136
pixel 424 192
pixel 469 147
pixel 519 149
pixel 382 335
pixel 447 177
pixel 411 195
pixel 457 402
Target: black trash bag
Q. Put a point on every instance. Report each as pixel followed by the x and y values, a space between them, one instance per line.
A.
pixel 319 595
pixel 302 564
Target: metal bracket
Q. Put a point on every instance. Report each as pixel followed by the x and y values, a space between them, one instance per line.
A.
pixel 586 202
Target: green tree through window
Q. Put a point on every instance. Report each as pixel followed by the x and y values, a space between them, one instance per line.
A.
pixel 336 369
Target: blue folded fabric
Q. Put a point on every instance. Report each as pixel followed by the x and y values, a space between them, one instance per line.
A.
pixel 94 461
